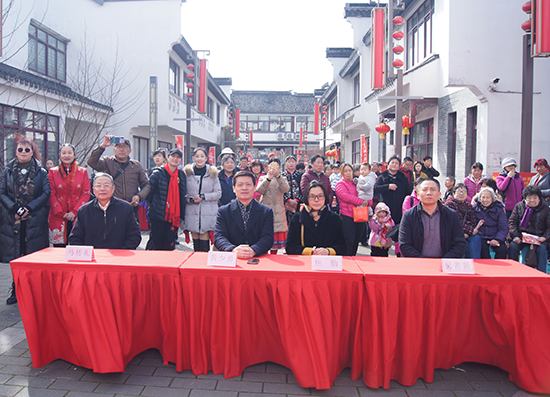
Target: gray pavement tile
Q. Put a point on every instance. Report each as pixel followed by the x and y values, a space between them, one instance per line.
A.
pixel 340 391
pixel 419 384
pixel 281 369
pixel 463 393
pixel 523 393
pixel 4 359
pixel 368 392
pixel 27 353
pixel 135 361
pixel 430 393
pixel 449 385
pixel 291 378
pixel 22 345
pixel 210 393
pixel 211 376
pixel 148 380
pixel 152 361
pixel 258 395
pixel 31 381
pixel 75 385
pixel 58 364
pixel 204 384
pixel 149 353
pixel 496 376
pixel 76 373
pixel 5 377
pixel 228 385
pixel 285 388
pixel 256 368
pixel 130 390
pixel 496 386
pixel 139 370
pixel 453 374
pixel 108 378
pixel 264 377
pixel 153 391
pixel 21 370
pixel 8 391
pixel 14 352
pixel 34 392
pixel 83 394
pixel 346 381
pixel 171 372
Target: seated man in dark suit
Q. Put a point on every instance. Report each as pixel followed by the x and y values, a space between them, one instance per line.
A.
pixel 244 226
pixel 106 222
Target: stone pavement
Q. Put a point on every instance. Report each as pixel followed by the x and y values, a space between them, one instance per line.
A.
pixel 147 376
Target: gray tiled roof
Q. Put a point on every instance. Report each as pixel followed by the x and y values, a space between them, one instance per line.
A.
pixel 358 10
pixel 273 102
pixel 339 52
pixel 223 80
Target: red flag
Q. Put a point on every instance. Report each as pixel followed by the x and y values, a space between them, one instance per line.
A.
pixel 237 122
pixel 316 122
pixel 378 56
pixel 301 136
pixel 203 83
pixel 179 142
pixel 364 150
pixel 212 155
pixel 251 143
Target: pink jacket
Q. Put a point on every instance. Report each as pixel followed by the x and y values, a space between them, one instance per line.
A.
pixel 407 201
pixel 473 186
pixel 346 191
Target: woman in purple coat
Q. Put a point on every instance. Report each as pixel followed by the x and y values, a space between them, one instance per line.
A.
pixel 495 227
pixel 510 184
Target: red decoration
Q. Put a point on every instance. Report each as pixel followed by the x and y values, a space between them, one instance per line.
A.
pixel 324 107
pixel 398 21
pixel 527 7
pixel 189 95
pixel 398 35
pixel 271 155
pixel 382 129
pixel 316 120
pixel 526 26
pixel 190 66
pixel 407 124
pixel 203 87
pixel 190 76
pixel 398 63
pixel 398 49
pixel 540 33
pixel 237 122
pixel 378 55
pixel 189 85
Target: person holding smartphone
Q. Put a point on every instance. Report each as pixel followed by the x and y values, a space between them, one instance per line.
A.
pixel 24 194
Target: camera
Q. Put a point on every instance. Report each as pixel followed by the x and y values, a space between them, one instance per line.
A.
pixel 496 80
pixel 117 139
pixel 20 211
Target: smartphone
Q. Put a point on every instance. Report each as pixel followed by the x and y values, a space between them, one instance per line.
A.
pixel 117 139
pixel 253 261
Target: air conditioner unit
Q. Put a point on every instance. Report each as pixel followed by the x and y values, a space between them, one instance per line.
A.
pixel 297 136
pixel 289 136
pixel 280 136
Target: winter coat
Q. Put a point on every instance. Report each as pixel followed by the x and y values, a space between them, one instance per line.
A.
pixel 411 233
pixel 473 186
pixel 365 186
pixel 228 194
pixel 465 212
pixel 272 196
pixel 422 175
pixel 410 201
pixel 157 198
pixel 496 225
pixel 311 175
pixel 393 198
pixel 201 218
pixel 131 182
pixel 256 194
pixel 116 228
pixel 377 239
pixel 346 191
pixel 304 233
pixel 430 172
pixel 539 223
pixel 512 188
pixel 37 225
pixel 68 193
pixel 544 184
pixel 294 192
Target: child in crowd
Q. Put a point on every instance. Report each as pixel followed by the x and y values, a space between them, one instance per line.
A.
pixel 380 226
pixel 365 183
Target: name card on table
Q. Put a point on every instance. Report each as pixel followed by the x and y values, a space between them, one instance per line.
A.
pixel 326 262
pixel 458 266
pixel 83 253
pixel 219 258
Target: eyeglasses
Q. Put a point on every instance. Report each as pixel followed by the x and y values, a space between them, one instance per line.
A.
pixel 316 197
pixel 460 191
pixel 27 150
pixel 103 186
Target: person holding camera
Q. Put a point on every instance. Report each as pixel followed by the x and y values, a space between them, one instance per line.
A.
pixel 131 183
pixel 24 194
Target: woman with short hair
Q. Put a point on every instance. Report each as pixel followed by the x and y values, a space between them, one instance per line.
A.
pixel 226 179
pixel 495 228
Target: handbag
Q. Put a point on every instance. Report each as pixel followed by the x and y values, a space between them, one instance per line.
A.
pixel 531 257
pixel 360 214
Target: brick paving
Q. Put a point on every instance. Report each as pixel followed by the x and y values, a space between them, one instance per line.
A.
pixel 147 376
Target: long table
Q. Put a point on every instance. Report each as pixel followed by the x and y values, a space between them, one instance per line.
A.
pixel 385 318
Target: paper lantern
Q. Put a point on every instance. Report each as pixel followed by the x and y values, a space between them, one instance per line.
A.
pixel 407 124
pixel 382 129
pixel 398 63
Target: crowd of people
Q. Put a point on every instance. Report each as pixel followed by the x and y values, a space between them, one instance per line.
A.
pixel 253 208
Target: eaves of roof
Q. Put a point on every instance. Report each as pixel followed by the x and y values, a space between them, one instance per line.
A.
pixel 339 52
pixel 273 102
pixel 330 92
pixel 10 73
pixel 351 64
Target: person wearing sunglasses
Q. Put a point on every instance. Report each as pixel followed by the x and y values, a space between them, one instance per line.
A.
pixel 24 194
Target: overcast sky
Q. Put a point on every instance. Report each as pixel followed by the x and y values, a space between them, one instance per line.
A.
pixel 274 45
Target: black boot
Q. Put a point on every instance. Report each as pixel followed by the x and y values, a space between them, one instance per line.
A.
pixel 12 299
pixel 205 245
pixel 197 247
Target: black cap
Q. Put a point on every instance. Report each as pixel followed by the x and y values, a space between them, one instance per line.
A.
pixel 175 151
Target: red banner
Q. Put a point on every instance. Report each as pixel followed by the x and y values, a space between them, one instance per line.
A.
pixel 251 140
pixel 378 55
pixel 364 150
pixel 203 83
pixel 212 155
pixel 301 136
pixel 316 122
pixel 237 122
pixel 540 33
pixel 179 142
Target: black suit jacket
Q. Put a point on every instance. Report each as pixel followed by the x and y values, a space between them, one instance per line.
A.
pixel 229 231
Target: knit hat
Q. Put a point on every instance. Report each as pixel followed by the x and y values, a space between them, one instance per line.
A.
pixel 508 161
pixel 382 207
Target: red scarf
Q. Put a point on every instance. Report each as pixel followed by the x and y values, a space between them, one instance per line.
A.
pixel 173 199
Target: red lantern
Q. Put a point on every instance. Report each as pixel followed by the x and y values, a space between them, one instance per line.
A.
pixel 527 7
pixel 324 107
pixel 271 155
pixel 189 85
pixel 382 129
pixel 398 63
pixel 398 35
pixel 190 76
pixel 407 124
pixel 526 26
pixel 398 21
pixel 398 49
pixel 190 66
pixel 189 95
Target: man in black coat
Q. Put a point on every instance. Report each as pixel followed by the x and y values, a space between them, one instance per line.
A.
pixel 393 186
pixel 431 229
pixel 106 222
pixel 244 226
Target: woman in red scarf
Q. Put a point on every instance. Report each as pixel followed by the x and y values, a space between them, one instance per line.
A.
pixel 70 187
pixel 167 201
